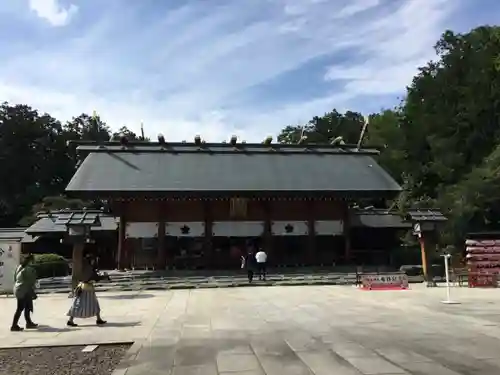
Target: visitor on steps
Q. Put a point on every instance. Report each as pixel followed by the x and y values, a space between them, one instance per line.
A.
pixel 24 291
pixel 85 304
pixel 261 258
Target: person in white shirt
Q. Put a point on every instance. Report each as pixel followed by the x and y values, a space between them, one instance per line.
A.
pixel 261 258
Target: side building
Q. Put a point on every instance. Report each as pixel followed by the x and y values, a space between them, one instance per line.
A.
pixel 199 205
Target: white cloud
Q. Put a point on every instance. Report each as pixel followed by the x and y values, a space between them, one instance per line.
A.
pixel 52 11
pixel 356 7
pixel 191 70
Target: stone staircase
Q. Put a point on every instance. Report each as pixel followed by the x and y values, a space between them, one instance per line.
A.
pixel 161 280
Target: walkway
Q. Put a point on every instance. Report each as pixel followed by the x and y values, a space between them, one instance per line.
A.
pixel 322 330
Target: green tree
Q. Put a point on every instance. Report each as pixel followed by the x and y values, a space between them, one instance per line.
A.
pixel 450 121
pixel 30 144
pixel 325 128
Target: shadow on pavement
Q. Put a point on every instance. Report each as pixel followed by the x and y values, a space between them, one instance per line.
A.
pixel 121 324
pixel 43 328
pixel 130 296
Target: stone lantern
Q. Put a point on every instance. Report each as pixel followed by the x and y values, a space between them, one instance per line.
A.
pixel 78 232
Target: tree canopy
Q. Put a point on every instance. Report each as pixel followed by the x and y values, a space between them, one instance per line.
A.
pixel 442 143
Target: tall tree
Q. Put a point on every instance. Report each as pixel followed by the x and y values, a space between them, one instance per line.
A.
pixel 29 148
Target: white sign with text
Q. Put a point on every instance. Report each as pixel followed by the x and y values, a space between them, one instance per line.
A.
pixel 10 253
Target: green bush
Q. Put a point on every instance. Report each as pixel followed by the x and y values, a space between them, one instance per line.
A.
pixel 50 265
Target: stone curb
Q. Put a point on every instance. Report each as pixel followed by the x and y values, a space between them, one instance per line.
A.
pixel 129 358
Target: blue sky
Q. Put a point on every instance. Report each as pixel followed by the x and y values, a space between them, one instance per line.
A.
pixel 220 67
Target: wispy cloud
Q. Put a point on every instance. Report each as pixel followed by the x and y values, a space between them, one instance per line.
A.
pixel 218 67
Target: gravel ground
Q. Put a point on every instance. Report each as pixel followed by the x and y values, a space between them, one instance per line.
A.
pixel 68 360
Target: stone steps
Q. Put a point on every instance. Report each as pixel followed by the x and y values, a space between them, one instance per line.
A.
pixel 137 280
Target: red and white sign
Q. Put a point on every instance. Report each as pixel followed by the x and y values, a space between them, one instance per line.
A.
pixel 389 281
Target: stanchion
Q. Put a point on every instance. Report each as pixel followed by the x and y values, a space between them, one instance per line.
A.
pixel 448 299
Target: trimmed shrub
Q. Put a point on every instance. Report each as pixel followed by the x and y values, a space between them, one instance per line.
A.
pixel 50 265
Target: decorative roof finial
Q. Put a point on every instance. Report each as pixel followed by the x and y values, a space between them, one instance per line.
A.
pixel 161 139
pixel 268 140
pixel 337 141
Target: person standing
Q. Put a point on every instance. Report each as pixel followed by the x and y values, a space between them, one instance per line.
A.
pixel 85 304
pixel 249 264
pixel 24 291
pixel 261 258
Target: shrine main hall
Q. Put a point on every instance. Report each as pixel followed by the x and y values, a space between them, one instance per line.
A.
pixel 200 205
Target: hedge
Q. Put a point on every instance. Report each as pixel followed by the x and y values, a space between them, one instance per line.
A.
pixel 50 265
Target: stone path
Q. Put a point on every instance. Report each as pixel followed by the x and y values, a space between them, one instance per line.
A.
pixel 329 330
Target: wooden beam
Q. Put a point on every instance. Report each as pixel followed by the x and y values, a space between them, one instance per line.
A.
pixel 120 254
pixel 207 241
pixel 161 257
pixel 76 275
pixel 311 237
pixel 267 235
pixel 347 233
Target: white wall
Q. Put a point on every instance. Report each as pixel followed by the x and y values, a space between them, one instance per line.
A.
pixel 10 254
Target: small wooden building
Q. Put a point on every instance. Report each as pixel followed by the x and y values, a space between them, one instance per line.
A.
pixel 197 205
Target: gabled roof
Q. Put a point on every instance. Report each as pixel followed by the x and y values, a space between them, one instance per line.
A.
pixel 223 168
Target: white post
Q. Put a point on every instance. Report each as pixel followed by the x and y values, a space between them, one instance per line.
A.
pixel 447 275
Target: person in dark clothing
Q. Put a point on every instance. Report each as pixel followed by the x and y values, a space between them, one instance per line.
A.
pixel 250 265
pixel 24 291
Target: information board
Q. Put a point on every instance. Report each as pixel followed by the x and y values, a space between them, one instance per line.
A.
pixel 9 260
pixel 384 281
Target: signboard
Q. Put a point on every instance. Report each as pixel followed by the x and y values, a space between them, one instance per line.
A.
pixel 10 253
pixel 329 228
pixel 482 280
pixel 386 281
pixel 289 228
pixel 417 230
pixel 141 230
pixel 188 229
pixel 237 228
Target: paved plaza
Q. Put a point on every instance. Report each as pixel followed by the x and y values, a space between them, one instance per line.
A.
pixel 322 330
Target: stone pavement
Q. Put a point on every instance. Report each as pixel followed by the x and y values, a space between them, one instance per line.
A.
pixel 330 330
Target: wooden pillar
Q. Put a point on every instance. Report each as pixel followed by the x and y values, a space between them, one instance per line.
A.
pixel 76 275
pixel 207 241
pixel 267 235
pixel 120 254
pixel 161 255
pixel 423 254
pixel 311 236
pixel 426 241
pixel 347 233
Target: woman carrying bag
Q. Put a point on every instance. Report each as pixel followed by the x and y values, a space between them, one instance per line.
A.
pixel 85 304
pixel 24 291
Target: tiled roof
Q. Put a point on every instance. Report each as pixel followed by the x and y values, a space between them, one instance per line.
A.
pixel 56 222
pixel 425 215
pixel 222 168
